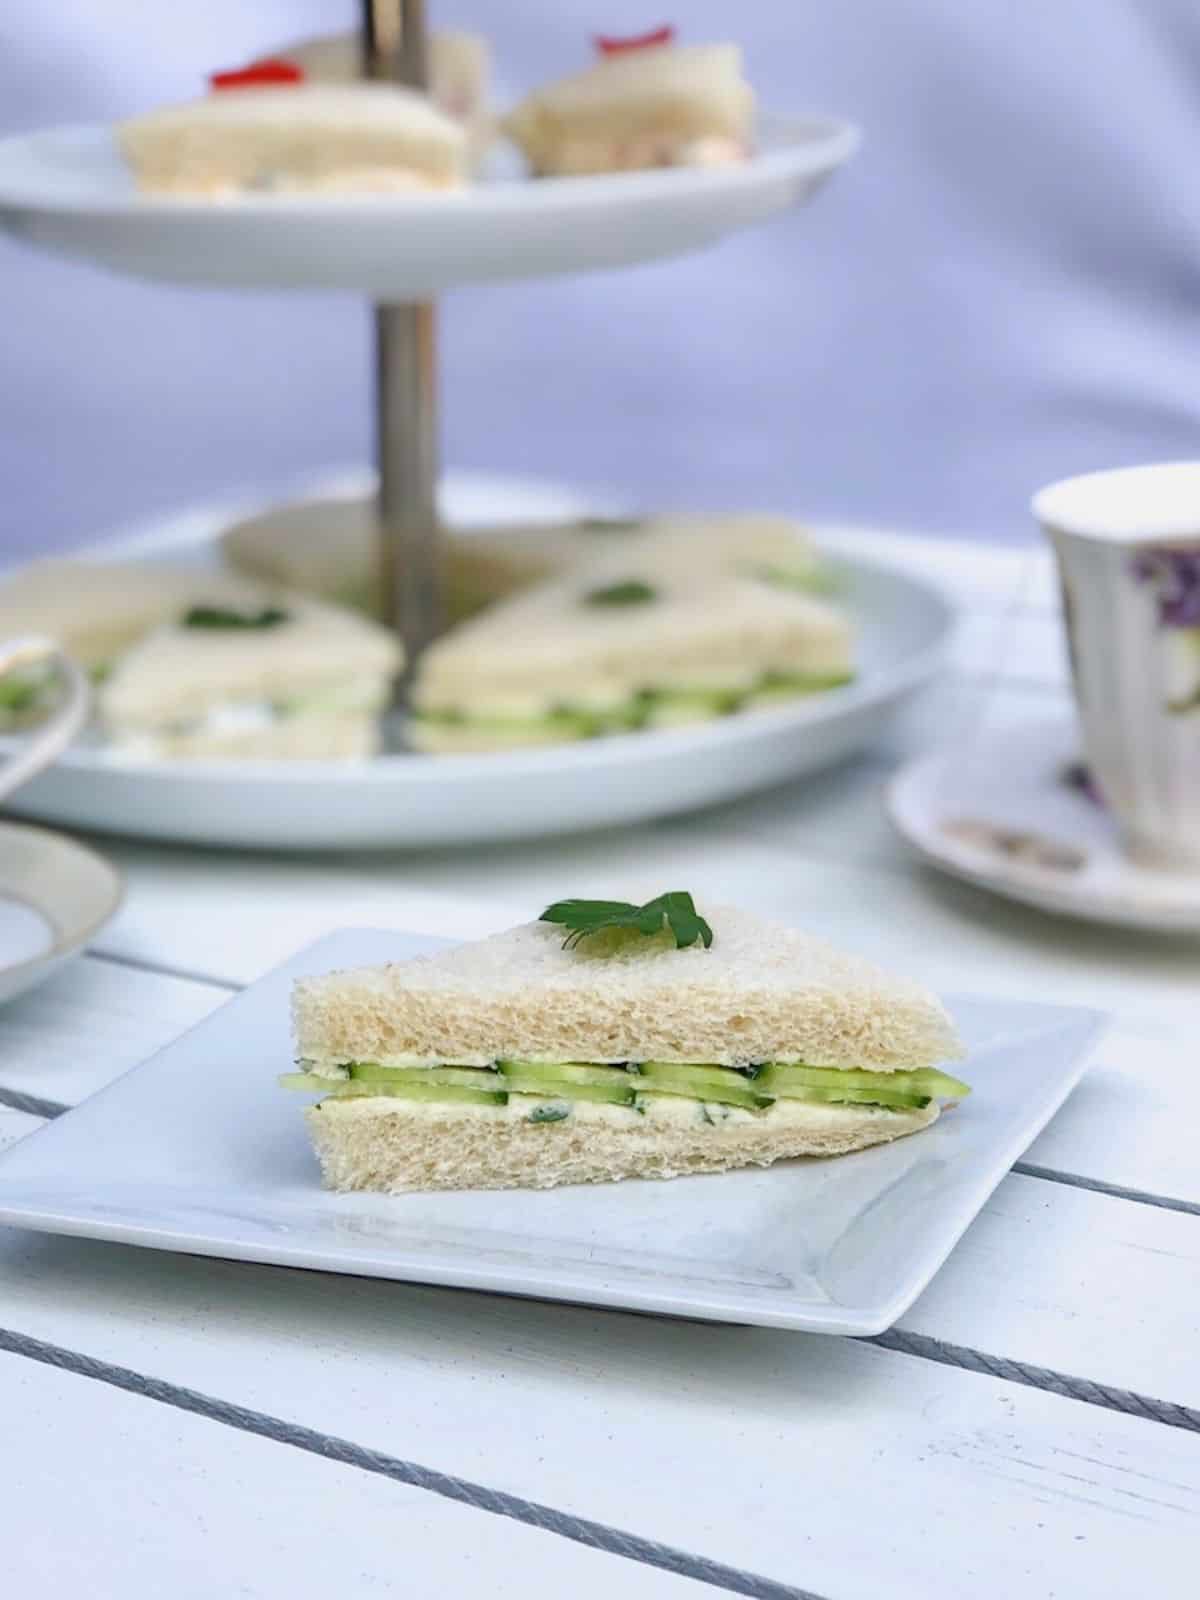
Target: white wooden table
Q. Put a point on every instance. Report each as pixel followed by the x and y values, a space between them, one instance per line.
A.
pixel 173 1425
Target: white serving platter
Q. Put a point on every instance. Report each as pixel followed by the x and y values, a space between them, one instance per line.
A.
pixel 67 189
pixel 413 801
pixel 198 1150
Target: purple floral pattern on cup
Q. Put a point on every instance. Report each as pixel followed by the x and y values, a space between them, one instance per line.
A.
pixel 1174 573
pixel 1127 543
pixel 1077 775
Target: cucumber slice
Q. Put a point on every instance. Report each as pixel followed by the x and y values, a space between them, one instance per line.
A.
pixel 694 1075
pixel 773 686
pixel 894 1099
pixel 671 707
pixel 609 1094
pixel 923 1081
pixel 561 723
pixel 554 1073
pixel 721 1085
pixel 939 1085
pixel 732 1096
pixel 414 1086
pixel 448 1077
pixel 809 578
pixel 307 1081
pixel 679 714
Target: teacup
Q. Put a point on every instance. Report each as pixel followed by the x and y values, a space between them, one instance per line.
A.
pixel 1128 549
pixel 36 665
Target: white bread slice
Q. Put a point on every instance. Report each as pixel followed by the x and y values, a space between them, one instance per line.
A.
pixel 550 647
pixel 380 1146
pixel 326 548
pixel 330 549
pixel 313 137
pixel 763 992
pixel 671 105
pixel 97 609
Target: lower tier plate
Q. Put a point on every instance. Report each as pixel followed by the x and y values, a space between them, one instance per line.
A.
pixel 413 801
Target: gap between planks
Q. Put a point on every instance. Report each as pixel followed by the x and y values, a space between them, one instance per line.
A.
pixel 163 969
pixel 480 1497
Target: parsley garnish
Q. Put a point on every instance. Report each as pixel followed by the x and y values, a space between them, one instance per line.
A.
pixel 630 592
pixel 223 617
pixel 676 911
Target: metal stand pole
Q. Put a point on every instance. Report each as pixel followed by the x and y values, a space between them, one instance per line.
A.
pixel 395 48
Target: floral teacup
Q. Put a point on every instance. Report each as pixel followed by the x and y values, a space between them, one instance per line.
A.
pixel 1128 548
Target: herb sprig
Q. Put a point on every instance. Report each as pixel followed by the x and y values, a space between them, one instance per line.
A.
pixel 675 911
pixel 630 592
pixel 225 617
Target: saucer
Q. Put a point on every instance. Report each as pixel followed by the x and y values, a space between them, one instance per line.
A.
pixel 55 895
pixel 1008 812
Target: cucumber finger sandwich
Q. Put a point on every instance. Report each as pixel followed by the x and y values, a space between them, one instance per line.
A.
pixel 626 644
pixel 609 1040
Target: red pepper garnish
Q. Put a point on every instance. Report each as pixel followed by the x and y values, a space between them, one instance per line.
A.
pixel 269 71
pixel 641 41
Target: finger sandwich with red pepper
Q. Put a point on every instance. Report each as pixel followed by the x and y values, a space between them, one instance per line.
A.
pixel 266 130
pixel 645 102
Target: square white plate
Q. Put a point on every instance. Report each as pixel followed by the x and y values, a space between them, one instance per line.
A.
pixel 198 1150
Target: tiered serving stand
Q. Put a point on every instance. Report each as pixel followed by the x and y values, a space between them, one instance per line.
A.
pixel 65 189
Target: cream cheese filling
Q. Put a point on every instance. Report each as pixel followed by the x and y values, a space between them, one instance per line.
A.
pixel 247 718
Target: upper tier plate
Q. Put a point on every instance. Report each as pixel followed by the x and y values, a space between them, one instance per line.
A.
pixel 67 189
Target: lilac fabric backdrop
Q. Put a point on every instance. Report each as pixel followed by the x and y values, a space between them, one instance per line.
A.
pixel 1005 287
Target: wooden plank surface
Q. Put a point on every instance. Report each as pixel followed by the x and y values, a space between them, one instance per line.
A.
pixel 112 1495
pixel 979 577
pixel 91 1023
pixel 749 1447
pixel 1125 1271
